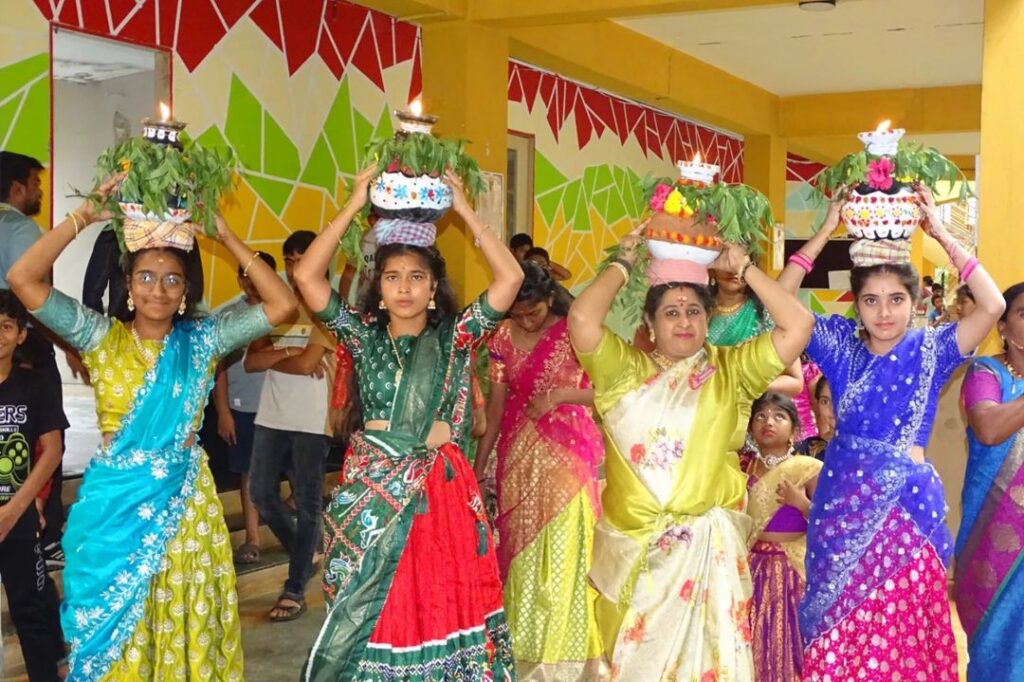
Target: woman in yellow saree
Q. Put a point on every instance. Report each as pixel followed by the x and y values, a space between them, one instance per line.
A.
pixel 670 551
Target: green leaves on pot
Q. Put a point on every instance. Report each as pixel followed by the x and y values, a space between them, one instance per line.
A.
pixel 424 154
pixel 913 163
pixel 160 175
pixel 630 299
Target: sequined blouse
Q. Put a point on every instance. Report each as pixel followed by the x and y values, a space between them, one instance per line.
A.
pixel 376 359
pixel 117 364
pixel 875 395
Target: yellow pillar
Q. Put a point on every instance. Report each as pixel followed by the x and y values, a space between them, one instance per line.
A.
pixel 764 168
pixel 1001 203
pixel 465 76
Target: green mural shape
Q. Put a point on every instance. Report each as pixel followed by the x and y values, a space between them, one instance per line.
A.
pixel 545 175
pixel 816 306
pixel 274 192
pixel 572 198
pixel 340 131
pixel 581 221
pixel 16 76
pixel 244 125
pixel 280 156
pixel 364 133
pixel 320 169
pixel 7 113
pixel 30 133
pixel 549 204
pixel 384 127
pixel 212 137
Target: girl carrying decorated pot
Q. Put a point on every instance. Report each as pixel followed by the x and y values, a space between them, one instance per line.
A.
pixel 411 579
pixel 876 606
pixel 149 586
pixel 670 551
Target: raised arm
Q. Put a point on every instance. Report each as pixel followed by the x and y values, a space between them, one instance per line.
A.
pixel 29 277
pixel 506 273
pixel 278 300
pixel 793 322
pixel 309 272
pixel 972 329
pixel 589 310
pixel 792 276
pixel 790 382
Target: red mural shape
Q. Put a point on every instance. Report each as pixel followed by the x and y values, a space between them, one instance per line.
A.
pixel 340 33
pixel 594 112
pixel 799 169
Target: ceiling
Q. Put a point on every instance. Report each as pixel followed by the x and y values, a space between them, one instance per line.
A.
pixel 860 45
pixel 85 59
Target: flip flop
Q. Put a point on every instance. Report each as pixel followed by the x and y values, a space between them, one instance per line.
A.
pixel 247 553
pixel 291 612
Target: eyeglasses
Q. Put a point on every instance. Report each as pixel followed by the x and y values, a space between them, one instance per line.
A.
pixel 146 279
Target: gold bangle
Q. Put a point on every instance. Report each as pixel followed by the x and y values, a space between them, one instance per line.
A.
pixel 621 268
pixel 245 270
pixel 476 240
pixel 74 220
pixel 743 270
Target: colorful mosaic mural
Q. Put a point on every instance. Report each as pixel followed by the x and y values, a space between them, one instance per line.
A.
pixel 297 88
pixel 592 151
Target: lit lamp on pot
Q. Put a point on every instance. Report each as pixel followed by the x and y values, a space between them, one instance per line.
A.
pixel 164 131
pixel 882 141
pixel 696 171
pixel 413 120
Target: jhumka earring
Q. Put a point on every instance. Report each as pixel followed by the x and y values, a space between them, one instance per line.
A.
pixel 650 334
pixel 181 306
pixel 131 303
pixel 431 305
pixel 381 306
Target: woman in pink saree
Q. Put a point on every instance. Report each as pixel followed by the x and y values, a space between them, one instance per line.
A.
pixel 548 450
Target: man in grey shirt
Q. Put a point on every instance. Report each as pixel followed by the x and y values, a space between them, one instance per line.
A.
pixel 21 196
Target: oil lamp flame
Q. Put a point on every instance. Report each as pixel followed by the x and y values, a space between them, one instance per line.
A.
pixel 883 126
pixel 416 107
pixel 165 112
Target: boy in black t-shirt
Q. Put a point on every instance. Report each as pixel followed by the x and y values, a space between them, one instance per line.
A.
pixel 31 420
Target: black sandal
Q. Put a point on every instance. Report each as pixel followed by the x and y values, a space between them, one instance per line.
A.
pixel 290 612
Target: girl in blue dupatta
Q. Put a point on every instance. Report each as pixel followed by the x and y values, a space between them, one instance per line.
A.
pixel 989 577
pixel 411 577
pixel 876 607
pixel 149 587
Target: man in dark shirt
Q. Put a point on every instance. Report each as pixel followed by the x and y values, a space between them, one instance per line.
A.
pixel 31 421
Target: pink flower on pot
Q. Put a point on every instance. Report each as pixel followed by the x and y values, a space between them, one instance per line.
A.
pixel 661 193
pixel 880 174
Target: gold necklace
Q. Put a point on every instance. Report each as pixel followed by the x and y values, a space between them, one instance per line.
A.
pixel 1013 370
pixel 661 360
pixel 147 355
pixel 728 309
pixel 772 461
pixel 398 358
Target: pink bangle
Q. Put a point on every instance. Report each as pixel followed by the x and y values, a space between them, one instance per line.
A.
pixel 968 268
pixel 802 261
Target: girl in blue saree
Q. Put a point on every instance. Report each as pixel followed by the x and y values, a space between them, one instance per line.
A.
pixel 876 606
pixel 149 588
pixel 989 578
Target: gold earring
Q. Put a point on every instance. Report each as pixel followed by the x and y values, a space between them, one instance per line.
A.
pixel 131 303
pixel 431 305
pixel 181 307
pixel 650 334
pixel 381 305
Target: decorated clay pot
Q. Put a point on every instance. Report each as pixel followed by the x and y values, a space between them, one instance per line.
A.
pixel 671 237
pixel 873 214
pixel 137 212
pixel 420 198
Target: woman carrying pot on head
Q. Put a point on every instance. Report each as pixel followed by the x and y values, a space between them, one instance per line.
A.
pixel 411 578
pixel 877 541
pixel 989 578
pixel 781 484
pixel 670 553
pixel 149 586
pixel 549 448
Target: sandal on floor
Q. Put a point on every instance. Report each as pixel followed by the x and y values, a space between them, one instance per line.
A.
pixel 290 612
pixel 247 553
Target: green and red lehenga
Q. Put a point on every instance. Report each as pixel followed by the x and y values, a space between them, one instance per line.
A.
pixel 411 578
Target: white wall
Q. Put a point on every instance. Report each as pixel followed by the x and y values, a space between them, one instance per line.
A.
pixel 83 126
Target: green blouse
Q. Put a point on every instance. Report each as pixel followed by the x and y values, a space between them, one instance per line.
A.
pixel 376 359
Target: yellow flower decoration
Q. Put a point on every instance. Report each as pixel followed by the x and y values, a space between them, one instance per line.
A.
pixel 905 178
pixel 675 203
